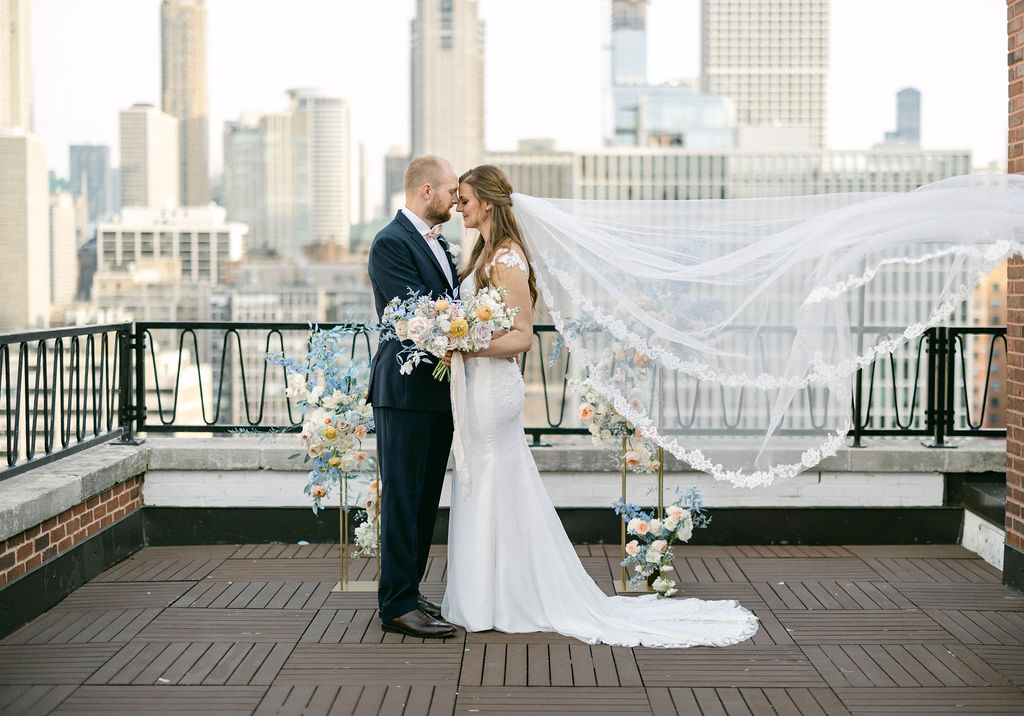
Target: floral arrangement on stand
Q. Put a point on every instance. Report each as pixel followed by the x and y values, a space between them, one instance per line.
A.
pixel 331 392
pixel 605 424
pixel 437 326
pixel 649 553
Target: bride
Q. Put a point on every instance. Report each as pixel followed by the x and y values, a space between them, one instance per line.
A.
pixel 511 566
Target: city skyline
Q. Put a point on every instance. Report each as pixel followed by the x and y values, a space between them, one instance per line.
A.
pixel 541 81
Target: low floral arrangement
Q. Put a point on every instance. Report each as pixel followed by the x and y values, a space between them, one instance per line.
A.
pixel 605 423
pixel 368 517
pixel 437 326
pixel 331 392
pixel 649 553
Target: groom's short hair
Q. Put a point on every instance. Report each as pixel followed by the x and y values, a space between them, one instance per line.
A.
pixel 427 169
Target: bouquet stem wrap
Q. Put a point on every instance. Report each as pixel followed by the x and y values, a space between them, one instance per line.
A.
pixel 458 394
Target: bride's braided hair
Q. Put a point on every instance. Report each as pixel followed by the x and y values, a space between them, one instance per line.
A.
pixel 492 185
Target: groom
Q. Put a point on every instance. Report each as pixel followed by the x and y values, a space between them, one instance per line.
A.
pixel 413 412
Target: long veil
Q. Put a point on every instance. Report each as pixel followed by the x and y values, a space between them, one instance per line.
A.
pixel 729 331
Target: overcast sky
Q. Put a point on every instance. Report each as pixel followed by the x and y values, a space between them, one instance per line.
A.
pixel 545 67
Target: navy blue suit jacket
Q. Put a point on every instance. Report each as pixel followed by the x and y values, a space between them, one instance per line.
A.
pixel 400 259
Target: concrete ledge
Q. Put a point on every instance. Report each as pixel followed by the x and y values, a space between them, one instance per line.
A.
pixel 35 496
pixel 889 455
pixel 249 471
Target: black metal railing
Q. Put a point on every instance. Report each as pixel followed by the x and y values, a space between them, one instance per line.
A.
pixel 66 389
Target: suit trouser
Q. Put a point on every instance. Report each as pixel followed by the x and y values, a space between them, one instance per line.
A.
pixel 412 447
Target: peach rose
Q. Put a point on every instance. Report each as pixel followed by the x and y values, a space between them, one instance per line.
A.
pixel 319 491
pixel 641 360
pixel 632 458
pixel 360 431
pixel 587 412
pixel 653 465
pixel 632 548
pixel 360 456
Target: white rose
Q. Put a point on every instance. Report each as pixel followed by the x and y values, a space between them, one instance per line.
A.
pixel 315 450
pixel 296 385
pixel 686 530
pixel 418 329
pixel 402 329
pixel 656 526
pixel 332 401
pixel 659 545
pixel 653 557
pixel 480 335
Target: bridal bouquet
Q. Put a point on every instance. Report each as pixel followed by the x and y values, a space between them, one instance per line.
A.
pixel 605 423
pixel 335 416
pixel 650 551
pixel 438 326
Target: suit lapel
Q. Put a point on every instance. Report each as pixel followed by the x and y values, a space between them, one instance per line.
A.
pixel 420 243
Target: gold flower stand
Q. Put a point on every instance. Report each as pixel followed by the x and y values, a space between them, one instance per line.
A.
pixel 356 585
pixel 622 585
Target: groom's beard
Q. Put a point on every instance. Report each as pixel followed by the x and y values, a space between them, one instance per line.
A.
pixel 438 213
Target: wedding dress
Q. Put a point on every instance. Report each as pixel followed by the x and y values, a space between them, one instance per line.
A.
pixel 511 566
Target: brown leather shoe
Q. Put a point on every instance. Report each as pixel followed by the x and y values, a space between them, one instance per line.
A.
pixel 418 624
pixel 431 609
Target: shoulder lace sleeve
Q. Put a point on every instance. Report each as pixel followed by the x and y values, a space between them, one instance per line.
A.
pixel 510 258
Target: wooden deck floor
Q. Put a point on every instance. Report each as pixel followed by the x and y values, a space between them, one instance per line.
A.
pixel 256 629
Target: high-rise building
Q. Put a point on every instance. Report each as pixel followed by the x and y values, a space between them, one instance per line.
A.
pixel 288 175
pixel 16 64
pixel 670 114
pixel 771 59
pixel 63 250
pixel 185 92
pixel 149 158
pixel 245 179
pixel 323 166
pixel 908 118
pixel 24 231
pixel 362 214
pixel 396 161
pixel 89 169
pixel 447 82
pixel 629 42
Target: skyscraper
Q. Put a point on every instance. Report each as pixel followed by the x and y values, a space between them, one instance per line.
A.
pixel 149 158
pixel 908 118
pixel 771 59
pixel 323 166
pixel 447 81
pixel 24 231
pixel 89 168
pixel 16 63
pixel 185 95
pixel 629 42
pixel 670 114
pixel 288 175
pixel 63 250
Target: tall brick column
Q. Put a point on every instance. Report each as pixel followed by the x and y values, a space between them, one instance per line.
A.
pixel 1013 562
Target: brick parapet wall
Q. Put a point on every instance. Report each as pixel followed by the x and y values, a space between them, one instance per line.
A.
pixel 27 550
pixel 1015 64
pixel 1015 281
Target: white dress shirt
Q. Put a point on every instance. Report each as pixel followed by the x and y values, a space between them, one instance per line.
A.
pixel 434 244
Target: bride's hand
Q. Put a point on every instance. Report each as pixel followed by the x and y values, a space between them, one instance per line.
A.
pixel 447 359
